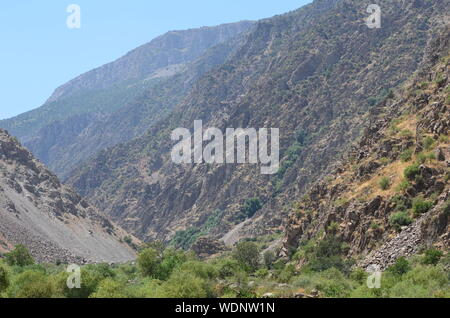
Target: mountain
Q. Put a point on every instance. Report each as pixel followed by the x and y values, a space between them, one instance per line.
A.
pixel 54 222
pixel 121 100
pixel 390 197
pixel 314 73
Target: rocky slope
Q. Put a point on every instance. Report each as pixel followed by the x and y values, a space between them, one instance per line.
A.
pixel 314 73
pixel 390 197
pixel 54 222
pixel 121 100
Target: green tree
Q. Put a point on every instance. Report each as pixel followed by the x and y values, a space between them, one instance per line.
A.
pixel 20 256
pixel 185 285
pixel 247 255
pixel 400 267
pixel 4 279
pixel 250 207
pixel 148 262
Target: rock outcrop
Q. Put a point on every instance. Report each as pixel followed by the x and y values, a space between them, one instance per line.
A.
pixel 390 197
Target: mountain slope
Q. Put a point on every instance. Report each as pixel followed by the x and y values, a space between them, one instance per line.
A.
pixel 391 196
pixel 313 73
pixel 122 99
pixel 54 222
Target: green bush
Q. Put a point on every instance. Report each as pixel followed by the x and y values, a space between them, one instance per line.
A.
pixel 406 155
pixel 20 256
pixel 421 206
pixel 328 253
pixel 412 171
pixel 432 256
pixel 110 288
pixel 32 284
pixel 399 219
pixel 384 183
pixel 250 207
pixel 400 267
pixel 186 285
pixel 247 255
pixel 4 279
pixel 428 142
pixel 148 262
pixel 403 186
pixel 269 258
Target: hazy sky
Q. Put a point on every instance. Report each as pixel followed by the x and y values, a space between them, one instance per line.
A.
pixel 39 52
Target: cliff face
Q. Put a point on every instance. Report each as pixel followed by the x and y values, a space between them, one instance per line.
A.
pixel 314 73
pixel 391 196
pixel 121 100
pixel 54 222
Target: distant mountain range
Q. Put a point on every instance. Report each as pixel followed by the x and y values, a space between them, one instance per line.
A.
pixel 121 100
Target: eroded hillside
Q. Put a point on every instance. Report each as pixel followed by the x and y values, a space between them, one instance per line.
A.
pixel 314 73
pixel 54 222
pixel 391 196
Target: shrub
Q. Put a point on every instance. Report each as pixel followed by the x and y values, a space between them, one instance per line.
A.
pixel 421 206
pixel 428 142
pixel 412 171
pixel 227 267
pixel 110 288
pixel 403 186
pixel 4 279
pixel 148 262
pixel 432 256
pixel 20 256
pixel 401 202
pixel 185 285
pixel 91 277
pixel 251 206
pixel 247 255
pixel 200 269
pixel 384 183
pixel 171 259
pixel 406 155
pixel 269 258
pixel 399 219
pixel 421 158
pixel 32 284
pixel 327 254
pixel 400 267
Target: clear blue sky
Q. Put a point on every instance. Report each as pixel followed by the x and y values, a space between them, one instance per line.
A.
pixel 38 51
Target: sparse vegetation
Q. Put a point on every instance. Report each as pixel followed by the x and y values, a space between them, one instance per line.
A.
pixel 175 273
pixel 384 183
pixel 399 219
pixel 20 256
pixel 412 171
pixel 432 256
pixel 406 155
pixel 421 206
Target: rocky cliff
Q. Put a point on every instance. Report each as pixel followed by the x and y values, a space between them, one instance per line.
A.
pixel 390 197
pixel 54 222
